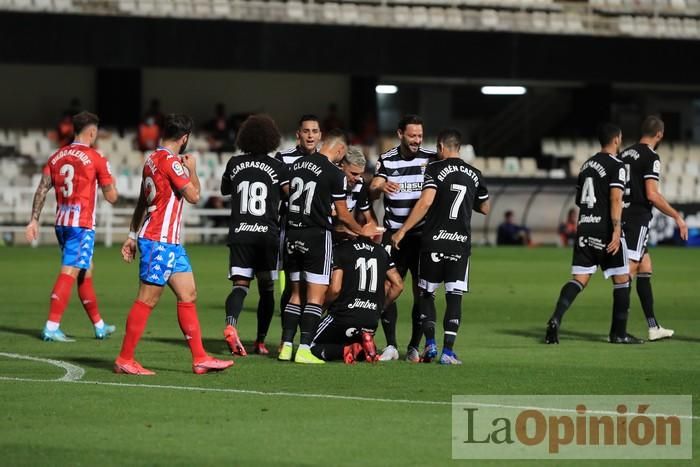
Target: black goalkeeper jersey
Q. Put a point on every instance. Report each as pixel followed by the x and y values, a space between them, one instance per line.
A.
pixel 642 163
pixel 459 188
pixel 315 183
pixel 255 185
pixel 364 266
pixel 599 174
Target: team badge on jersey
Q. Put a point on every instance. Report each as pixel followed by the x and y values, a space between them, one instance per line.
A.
pixel 178 169
pixel 657 167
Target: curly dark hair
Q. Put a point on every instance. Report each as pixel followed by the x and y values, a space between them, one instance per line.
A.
pixel 258 135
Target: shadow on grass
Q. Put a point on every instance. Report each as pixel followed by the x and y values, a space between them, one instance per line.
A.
pixel 33 332
pixel 537 335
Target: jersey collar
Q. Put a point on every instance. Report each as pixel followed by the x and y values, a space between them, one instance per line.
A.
pixel 161 148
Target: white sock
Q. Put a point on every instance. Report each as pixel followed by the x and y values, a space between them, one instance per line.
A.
pixel 304 347
pixel 100 324
pixel 287 344
pixel 52 325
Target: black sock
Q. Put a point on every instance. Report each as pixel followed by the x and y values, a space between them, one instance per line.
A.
pixel 266 307
pixel 566 297
pixel 309 322
pixel 284 299
pixel 428 314
pixel 389 316
pixel 290 321
pixel 621 305
pixel 646 297
pixel 453 315
pixel 234 304
pixel 328 351
pixel 416 326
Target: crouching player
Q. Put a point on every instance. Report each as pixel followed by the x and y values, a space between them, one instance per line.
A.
pixel 363 282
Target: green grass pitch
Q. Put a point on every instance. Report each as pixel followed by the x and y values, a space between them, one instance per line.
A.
pixel 500 342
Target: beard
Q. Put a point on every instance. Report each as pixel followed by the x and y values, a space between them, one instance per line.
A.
pixel 183 148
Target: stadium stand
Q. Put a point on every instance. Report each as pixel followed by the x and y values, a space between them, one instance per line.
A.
pixel 638 18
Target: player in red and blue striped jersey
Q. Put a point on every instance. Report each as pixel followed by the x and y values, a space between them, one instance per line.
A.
pixel 75 171
pixel 168 180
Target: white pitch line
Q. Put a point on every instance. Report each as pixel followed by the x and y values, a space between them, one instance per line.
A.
pixel 73 372
pixel 305 395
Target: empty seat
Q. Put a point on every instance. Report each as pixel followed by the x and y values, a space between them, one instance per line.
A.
pixel 511 167
pixel 295 10
pixel 221 8
pixel 331 12
pixel 489 19
pixel 348 13
pixel 437 17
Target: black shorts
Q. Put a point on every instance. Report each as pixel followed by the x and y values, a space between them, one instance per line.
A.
pixel 589 253
pixel 344 330
pixel 406 257
pixel 448 268
pixel 308 255
pixel 636 237
pixel 249 260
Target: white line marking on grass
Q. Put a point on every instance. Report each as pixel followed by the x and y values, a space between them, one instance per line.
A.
pixel 73 372
pixel 253 392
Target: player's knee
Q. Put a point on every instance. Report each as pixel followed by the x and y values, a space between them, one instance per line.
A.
pixel 187 296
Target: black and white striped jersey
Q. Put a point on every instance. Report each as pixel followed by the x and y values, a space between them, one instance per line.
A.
pixel 408 173
pixel 358 197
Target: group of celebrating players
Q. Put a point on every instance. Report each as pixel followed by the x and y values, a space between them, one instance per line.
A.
pixel 307 211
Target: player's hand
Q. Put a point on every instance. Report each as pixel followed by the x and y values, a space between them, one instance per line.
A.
pixel 682 227
pixel 391 187
pixel 396 239
pixel 129 250
pixel 341 229
pixel 32 231
pixel 371 229
pixel 189 161
pixel 614 244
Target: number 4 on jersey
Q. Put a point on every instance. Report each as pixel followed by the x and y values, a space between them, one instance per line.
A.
pixel 588 193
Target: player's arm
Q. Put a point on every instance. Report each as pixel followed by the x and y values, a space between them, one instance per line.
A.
pixel 655 197
pixel 334 288
pixel 226 182
pixel 380 183
pixel 346 217
pixel 418 212
pixel 128 250
pixel 110 193
pixel 615 218
pixel 393 286
pixel 485 207
pixel 45 184
pixel 191 190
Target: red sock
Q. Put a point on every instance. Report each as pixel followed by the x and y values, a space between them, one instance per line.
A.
pixel 135 324
pixel 60 295
pixel 189 323
pixel 89 300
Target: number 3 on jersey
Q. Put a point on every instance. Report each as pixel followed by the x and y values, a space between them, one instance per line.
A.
pixel 298 188
pixel 68 172
pixel 588 193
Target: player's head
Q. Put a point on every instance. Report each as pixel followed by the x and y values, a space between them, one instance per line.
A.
pixel 353 165
pixel 309 132
pixel 610 137
pixel 448 143
pixel 334 145
pixel 410 131
pixel 653 129
pixel 177 129
pixel 258 135
pixel 85 126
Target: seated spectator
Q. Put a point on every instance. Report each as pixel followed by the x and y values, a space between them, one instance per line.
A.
pixel 567 229
pixel 509 233
pixel 148 134
pixel 220 132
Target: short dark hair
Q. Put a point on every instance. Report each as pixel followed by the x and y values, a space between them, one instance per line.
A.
pixel 450 138
pixel 258 134
pixel 309 118
pixel 652 125
pixel 409 119
pixel 83 120
pixel 176 126
pixel 607 132
pixel 335 134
